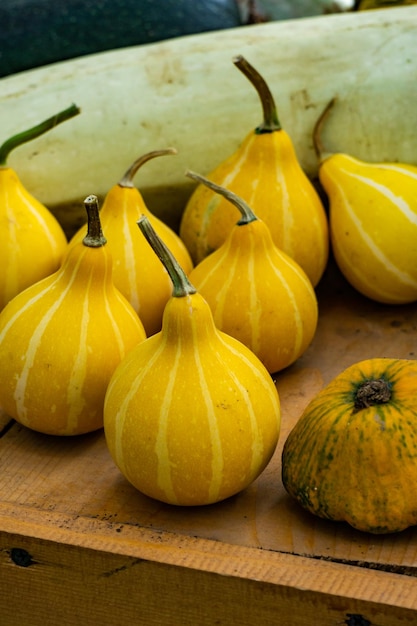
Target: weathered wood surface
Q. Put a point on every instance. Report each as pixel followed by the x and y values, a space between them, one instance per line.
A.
pixel 64 501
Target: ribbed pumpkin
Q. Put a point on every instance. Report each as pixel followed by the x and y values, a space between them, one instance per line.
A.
pixel 352 455
pixel 137 272
pixel 256 292
pixel 373 223
pixel 32 241
pixel 62 338
pixel 264 172
pixel 191 416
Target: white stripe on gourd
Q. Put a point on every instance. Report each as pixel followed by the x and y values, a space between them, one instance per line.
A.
pixel 32 348
pixel 389 194
pixel 217 453
pixel 129 260
pixel 122 412
pixel 373 248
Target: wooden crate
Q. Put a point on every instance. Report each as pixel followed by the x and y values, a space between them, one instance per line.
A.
pixel 79 545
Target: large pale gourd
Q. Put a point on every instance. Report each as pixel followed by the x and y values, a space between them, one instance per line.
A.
pixel 256 292
pixel 182 101
pixel 352 455
pixel 191 415
pixel 264 172
pixel 137 272
pixel 373 222
pixel 62 338
pixel 32 240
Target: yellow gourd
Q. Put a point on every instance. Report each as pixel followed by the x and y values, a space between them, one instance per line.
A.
pixel 137 272
pixel 191 416
pixel 373 222
pixel 256 292
pixel 264 172
pixel 62 338
pixel 32 240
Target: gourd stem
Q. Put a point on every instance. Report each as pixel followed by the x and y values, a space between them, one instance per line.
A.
pixel 36 131
pixel 270 122
pixel 371 392
pixel 181 284
pixel 318 127
pixel 94 237
pixel 127 178
pixel 247 214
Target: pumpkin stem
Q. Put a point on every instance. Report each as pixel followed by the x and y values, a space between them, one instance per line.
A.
pixel 372 392
pixel 247 214
pixel 127 178
pixel 270 122
pixel 36 131
pixel 318 127
pixel 94 237
pixel 181 284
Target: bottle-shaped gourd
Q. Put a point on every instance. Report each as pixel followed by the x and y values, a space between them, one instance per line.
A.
pixel 264 172
pixel 137 271
pixel 62 338
pixel 373 222
pixel 191 416
pixel 256 292
pixel 32 240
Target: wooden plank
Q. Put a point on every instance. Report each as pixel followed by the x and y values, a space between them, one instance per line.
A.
pixel 160 579
pixel 5 422
pixel 77 478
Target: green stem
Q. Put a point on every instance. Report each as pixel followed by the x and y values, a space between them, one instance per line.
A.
pixel 247 214
pixel 94 237
pixel 317 130
pixel 181 284
pixel 36 131
pixel 270 122
pixel 127 178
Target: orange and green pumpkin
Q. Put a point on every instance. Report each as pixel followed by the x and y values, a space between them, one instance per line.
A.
pixel 352 455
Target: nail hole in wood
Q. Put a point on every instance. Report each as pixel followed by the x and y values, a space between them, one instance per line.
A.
pixel 354 619
pixel 21 557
